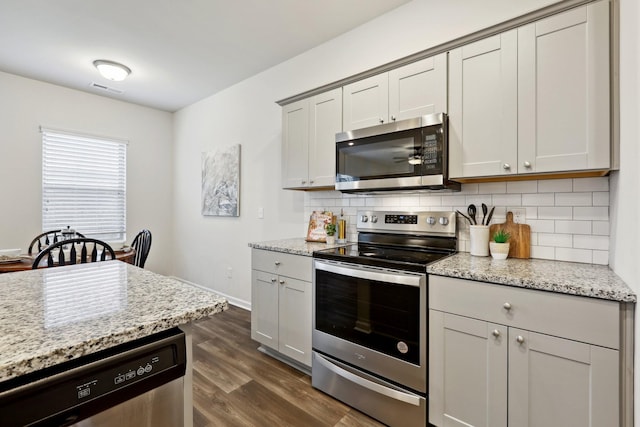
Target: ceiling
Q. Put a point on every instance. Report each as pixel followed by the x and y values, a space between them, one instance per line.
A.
pixel 179 51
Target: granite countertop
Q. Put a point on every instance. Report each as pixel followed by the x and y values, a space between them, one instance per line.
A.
pixel 595 281
pixel 295 246
pixel 52 315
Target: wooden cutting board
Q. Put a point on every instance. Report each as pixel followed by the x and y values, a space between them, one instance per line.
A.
pixel 520 240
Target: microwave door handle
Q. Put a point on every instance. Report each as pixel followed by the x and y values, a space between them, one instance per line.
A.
pixel 370 385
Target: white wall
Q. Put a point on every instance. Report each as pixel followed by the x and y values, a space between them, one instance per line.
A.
pixel 26 104
pixel 247 114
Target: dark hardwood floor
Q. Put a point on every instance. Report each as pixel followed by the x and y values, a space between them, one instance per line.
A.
pixel 234 384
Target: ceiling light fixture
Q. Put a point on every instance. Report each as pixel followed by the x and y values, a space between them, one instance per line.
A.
pixel 112 70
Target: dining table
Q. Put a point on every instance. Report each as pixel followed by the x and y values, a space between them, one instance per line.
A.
pixel 25 261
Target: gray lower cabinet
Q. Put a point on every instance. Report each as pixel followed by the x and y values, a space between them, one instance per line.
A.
pixel 502 356
pixel 281 303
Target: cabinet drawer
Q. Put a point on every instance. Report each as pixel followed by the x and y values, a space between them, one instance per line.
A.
pixel 297 266
pixel 583 319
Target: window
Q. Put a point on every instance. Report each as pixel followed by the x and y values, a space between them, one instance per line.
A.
pixel 84 184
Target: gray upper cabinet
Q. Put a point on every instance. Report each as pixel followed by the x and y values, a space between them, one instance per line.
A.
pixel 409 91
pixel 309 127
pixel 534 99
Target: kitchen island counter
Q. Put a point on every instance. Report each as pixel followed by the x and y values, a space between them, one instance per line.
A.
pixel 595 281
pixel 53 315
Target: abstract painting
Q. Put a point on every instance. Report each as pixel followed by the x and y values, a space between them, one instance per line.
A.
pixel 221 181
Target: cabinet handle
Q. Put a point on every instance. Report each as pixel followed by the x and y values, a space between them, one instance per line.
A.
pixel 311 182
pixel 506 166
pixel 393 118
pixel 495 333
pixel 506 306
pixel 277 263
pixel 273 280
pixel 520 339
pixel 527 164
pixel 281 281
pixel 303 182
pixel 381 120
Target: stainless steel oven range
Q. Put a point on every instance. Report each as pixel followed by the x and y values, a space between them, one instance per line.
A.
pixel 370 314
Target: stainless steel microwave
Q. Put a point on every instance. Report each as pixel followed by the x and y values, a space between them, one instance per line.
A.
pixel 405 155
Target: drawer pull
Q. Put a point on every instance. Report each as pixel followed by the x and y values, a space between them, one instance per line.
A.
pixel 506 306
pixel 273 280
pixel 496 333
pixel 281 282
pixel 277 263
pixel 520 339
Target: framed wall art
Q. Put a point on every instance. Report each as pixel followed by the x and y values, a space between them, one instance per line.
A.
pixel 221 182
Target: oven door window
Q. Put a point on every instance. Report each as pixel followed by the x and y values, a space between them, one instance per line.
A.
pixel 410 153
pixel 381 316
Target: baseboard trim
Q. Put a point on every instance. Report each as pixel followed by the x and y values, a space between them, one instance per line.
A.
pixel 231 300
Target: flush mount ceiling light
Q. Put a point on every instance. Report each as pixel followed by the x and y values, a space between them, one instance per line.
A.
pixel 112 70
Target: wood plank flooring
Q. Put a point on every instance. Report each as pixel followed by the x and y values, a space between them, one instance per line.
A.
pixel 234 384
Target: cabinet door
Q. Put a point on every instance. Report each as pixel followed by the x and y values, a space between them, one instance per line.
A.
pixel 467 372
pixel 366 102
pixel 324 122
pixel 563 89
pixel 483 107
pixel 295 144
pixel 295 319
pixel 559 382
pixel 418 89
pixel 264 308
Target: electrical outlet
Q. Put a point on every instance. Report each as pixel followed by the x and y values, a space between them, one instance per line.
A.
pixel 519 215
pixel 260 213
pixel 229 272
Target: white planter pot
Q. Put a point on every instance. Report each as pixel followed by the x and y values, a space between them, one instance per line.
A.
pixel 499 250
pixel 331 240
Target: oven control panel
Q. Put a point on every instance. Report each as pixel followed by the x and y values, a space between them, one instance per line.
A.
pixel 442 223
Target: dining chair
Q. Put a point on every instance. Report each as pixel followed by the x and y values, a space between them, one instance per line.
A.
pixel 90 250
pixel 43 240
pixel 142 245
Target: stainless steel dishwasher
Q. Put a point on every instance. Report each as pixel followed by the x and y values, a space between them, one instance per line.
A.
pixel 134 384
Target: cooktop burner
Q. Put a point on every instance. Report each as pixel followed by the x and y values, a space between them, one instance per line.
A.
pixel 399 240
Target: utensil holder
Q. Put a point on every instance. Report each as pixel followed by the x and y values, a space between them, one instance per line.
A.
pixel 479 235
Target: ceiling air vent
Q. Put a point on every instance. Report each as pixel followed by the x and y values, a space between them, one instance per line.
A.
pixel 105 88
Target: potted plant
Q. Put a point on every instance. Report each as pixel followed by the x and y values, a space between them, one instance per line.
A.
pixel 330 228
pixel 499 245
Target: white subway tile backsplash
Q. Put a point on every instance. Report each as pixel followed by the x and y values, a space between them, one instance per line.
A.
pixel 555 186
pixel 492 187
pixel 601 198
pixel 541 225
pixel 573 227
pixel 591 184
pixel 574 255
pixel 507 199
pixel 574 199
pixel 556 240
pixel 563 212
pixel 591 242
pixel 542 199
pixel 600 228
pixel 597 213
pixel 601 257
pixel 569 218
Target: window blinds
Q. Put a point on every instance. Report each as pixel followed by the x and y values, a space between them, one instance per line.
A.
pixel 84 184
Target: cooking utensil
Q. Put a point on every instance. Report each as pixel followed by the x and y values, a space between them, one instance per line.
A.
pixel 484 213
pixel 490 215
pixel 471 210
pixel 466 217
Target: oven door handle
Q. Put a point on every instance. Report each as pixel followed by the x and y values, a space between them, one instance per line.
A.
pixel 370 385
pixel 362 272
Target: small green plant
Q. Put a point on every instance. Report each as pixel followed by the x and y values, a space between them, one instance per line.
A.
pixel 330 229
pixel 501 236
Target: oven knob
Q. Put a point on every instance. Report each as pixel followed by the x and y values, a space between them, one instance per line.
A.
pixel 431 220
pixel 364 218
pixel 374 218
pixel 443 221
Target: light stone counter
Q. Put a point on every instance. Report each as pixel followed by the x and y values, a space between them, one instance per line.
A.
pixel 52 315
pixel 296 246
pixel 596 281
